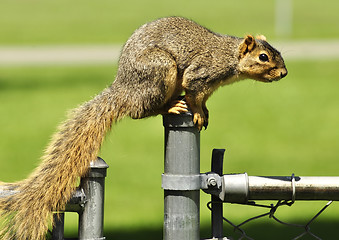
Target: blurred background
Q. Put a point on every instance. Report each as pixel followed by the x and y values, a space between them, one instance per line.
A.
pixel 54 55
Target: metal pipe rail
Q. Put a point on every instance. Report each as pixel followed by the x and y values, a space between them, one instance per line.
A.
pixel 240 188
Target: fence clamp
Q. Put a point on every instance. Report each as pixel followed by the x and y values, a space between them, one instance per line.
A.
pixel 209 182
pixel 180 182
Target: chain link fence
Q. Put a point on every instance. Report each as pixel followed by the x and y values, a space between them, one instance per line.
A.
pixel 270 213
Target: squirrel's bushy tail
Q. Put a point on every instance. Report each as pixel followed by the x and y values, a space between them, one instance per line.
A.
pixel 28 213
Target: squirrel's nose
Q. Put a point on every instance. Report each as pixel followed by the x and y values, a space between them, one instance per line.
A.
pixel 283 73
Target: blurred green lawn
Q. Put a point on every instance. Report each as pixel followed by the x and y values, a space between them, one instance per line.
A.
pixel 268 129
pixel 102 21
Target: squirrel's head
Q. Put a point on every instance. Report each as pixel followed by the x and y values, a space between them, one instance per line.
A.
pixel 260 61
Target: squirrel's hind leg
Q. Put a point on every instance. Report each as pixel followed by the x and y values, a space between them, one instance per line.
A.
pixel 154 76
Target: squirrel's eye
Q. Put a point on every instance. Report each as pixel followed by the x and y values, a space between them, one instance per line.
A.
pixel 263 57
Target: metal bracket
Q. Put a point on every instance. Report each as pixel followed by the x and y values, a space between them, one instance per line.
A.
pixel 228 188
pixel 180 182
pixel 209 182
pixel 77 201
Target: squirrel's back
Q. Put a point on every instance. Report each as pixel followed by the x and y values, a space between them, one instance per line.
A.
pixel 182 38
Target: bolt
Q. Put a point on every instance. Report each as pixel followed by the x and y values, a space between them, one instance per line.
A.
pixel 212 182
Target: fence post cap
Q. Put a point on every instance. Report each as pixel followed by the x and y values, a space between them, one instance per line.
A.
pixel 183 120
pixel 98 163
pixel 98 168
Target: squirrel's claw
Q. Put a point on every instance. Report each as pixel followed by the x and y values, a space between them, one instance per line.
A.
pixel 177 107
pixel 198 120
pixel 205 123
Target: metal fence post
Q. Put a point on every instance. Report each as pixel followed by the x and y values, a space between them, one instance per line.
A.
pixel 181 181
pixel 91 219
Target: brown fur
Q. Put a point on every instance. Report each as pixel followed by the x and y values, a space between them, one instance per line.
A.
pixel 159 61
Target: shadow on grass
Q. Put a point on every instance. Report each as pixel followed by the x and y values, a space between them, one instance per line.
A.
pixel 259 231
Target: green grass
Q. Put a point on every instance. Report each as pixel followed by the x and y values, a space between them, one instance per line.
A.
pixel 268 129
pixel 86 22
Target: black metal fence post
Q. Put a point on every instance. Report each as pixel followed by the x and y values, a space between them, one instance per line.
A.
pixel 217 204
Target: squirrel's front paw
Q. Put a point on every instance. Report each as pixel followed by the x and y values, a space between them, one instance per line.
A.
pixel 177 107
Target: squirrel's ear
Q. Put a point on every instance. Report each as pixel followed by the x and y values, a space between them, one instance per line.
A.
pixel 247 45
pixel 261 37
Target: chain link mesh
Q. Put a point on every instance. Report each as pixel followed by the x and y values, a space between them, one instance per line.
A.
pixel 272 208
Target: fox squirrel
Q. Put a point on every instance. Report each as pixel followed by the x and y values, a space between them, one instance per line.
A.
pixel 159 61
